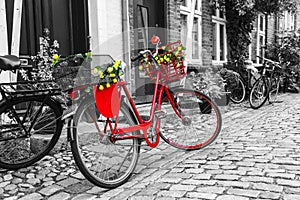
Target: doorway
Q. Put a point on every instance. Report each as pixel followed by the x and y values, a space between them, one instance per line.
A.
pixel 149 20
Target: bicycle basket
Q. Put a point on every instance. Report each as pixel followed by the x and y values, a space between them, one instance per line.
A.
pixel 107 100
pixel 171 61
pixel 66 72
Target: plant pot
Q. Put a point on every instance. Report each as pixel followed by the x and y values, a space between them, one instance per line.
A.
pixel 108 100
pixel 223 100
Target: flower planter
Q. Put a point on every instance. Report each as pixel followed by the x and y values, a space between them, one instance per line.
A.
pixel 223 100
pixel 108 100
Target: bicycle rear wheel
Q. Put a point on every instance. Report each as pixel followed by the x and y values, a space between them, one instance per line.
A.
pixel 259 93
pixel 197 124
pixel 237 92
pixel 103 162
pixel 29 129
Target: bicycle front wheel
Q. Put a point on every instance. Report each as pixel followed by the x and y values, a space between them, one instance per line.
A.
pixel 259 93
pixel 29 129
pixel 103 162
pixel 237 92
pixel 195 123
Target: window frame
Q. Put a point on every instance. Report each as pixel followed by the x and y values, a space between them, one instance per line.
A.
pixel 217 21
pixel 186 10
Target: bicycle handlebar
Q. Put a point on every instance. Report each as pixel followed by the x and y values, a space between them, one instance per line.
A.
pixel 277 64
pixel 142 53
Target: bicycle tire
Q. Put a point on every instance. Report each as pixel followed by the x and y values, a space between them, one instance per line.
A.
pixel 274 89
pixel 237 93
pixel 259 93
pixel 18 150
pixel 199 129
pixel 98 158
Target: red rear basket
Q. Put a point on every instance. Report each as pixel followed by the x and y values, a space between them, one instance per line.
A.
pixel 107 100
pixel 172 70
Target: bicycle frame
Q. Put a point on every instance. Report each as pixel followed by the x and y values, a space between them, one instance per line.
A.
pixel 118 133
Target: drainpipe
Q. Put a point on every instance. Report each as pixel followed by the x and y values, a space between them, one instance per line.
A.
pixel 126 43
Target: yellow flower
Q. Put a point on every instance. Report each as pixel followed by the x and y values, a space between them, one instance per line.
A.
pixel 140 67
pixel 108 85
pixel 88 54
pixel 110 69
pixel 95 71
pixel 179 48
pixel 115 80
pixel 55 57
pixel 112 75
pixel 118 62
pixel 101 87
pixel 101 74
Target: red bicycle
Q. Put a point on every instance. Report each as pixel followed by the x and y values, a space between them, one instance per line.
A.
pixel 106 149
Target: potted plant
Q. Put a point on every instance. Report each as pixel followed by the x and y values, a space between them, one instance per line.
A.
pixel 211 84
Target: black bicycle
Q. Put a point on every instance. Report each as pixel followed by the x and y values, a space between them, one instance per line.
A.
pixel 267 86
pixel 239 81
pixel 32 113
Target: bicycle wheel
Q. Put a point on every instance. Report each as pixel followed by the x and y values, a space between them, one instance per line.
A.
pixel 103 162
pixel 29 129
pixel 197 124
pixel 259 93
pixel 237 92
pixel 274 89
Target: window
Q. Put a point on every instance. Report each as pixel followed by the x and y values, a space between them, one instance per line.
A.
pixel 193 41
pixel 219 37
pixel 261 23
pixel 260 44
pixel 183 25
pixel 289 21
pixel 143 24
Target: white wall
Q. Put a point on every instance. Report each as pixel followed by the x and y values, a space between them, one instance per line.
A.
pixel 4 76
pixel 105 19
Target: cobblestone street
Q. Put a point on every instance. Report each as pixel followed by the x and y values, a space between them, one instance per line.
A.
pixel 256 156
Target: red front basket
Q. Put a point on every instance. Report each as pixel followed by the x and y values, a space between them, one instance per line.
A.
pixel 108 100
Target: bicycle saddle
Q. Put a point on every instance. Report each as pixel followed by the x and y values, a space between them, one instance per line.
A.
pixel 9 62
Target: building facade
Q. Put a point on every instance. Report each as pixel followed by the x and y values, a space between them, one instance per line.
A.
pixel 122 28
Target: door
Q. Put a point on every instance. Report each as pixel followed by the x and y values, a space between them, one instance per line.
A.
pixel 67 21
pixel 148 14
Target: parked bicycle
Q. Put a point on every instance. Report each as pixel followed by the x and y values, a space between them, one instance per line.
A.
pixel 106 149
pixel 240 82
pixel 31 116
pixel 267 86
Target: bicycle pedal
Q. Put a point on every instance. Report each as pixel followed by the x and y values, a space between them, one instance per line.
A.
pixel 160 114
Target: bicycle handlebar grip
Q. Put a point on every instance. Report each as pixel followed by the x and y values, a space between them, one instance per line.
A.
pixel 134 58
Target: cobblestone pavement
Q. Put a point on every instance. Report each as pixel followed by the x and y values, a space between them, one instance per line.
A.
pixel 257 156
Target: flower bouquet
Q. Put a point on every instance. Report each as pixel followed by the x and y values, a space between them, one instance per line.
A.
pixel 106 92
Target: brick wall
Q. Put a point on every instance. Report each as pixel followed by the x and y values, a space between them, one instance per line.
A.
pixel 207 34
pixel 272 29
pixel 173 20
